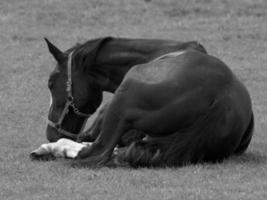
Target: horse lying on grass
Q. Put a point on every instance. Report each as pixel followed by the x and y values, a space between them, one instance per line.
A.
pixel 189 104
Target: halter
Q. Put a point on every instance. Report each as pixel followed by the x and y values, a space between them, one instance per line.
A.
pixel 70 103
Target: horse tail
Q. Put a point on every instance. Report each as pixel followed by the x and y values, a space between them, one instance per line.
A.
pixel 246 139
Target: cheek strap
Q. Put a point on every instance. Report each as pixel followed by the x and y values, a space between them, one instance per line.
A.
pixel 69 103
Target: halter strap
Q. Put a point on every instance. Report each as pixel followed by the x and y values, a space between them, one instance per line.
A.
pixel 62 131
pixel 69 90
pixel 69 81
pixel 68 104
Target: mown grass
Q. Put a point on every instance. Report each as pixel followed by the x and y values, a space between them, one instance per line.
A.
pixel 235 31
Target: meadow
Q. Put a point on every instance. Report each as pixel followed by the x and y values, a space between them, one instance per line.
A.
pixel 234 31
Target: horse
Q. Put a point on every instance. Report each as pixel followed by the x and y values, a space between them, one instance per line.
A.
pixel 188 104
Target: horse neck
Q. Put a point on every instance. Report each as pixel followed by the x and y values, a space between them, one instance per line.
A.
pixel 119 55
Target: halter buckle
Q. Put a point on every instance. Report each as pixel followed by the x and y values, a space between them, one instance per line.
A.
pixel 57 126
pixel 70 98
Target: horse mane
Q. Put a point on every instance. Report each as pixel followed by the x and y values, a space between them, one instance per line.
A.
pixel 73 48
pixel 87 45
pixel 90 48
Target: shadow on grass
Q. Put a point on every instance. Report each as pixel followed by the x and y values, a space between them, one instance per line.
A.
pixel 248 158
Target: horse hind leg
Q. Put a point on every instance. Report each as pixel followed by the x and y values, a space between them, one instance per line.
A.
pixel 193 145
pixel 92 133
pixel 158 152
pixel 197 144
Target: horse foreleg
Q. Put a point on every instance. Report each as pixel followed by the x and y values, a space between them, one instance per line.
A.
pixel 92 133
pixel 116 122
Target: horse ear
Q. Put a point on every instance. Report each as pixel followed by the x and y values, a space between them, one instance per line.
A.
pixel 57 53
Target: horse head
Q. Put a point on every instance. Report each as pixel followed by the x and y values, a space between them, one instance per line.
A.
pixel 76 87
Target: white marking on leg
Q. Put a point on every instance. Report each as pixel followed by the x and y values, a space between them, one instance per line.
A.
pixel 63 148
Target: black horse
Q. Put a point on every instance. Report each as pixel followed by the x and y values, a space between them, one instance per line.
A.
pixel 190 106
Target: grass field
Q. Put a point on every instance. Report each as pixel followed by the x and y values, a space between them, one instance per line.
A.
pixel 235 31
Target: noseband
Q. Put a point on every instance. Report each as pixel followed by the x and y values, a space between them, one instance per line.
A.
pixel 69 104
